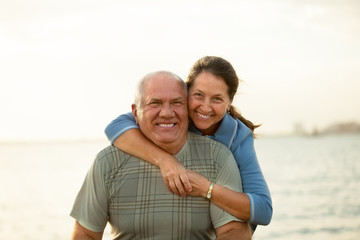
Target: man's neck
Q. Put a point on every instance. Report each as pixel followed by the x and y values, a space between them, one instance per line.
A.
pixel 173 148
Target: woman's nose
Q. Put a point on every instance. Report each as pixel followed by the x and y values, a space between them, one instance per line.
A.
pixel 205 107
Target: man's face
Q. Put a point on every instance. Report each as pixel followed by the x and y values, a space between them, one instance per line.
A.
pixel 163 116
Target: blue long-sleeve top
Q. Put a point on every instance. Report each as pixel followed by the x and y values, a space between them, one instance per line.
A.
pixel 239 139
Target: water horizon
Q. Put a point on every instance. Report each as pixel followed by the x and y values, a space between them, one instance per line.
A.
pixel 313 183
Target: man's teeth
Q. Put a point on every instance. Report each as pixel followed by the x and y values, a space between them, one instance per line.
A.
pixel 167 125
pixel 203 116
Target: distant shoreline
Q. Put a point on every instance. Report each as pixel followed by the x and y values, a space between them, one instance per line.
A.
pixel 105 141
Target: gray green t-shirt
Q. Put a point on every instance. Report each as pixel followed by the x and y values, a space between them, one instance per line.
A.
pixel 131 195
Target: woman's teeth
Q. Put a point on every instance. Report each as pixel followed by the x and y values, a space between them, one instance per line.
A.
pixel 203 116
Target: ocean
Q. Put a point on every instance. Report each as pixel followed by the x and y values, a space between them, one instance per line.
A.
pixel 314 183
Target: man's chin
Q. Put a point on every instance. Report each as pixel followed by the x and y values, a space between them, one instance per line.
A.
pixel 167 138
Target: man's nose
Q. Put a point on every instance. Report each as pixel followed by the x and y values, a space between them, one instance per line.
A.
pixel 166 112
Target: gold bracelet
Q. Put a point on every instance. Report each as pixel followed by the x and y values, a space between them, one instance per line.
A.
pixel 208 195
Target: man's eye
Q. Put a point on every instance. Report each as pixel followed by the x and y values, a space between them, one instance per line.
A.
pixel 177 103
pixel 154 103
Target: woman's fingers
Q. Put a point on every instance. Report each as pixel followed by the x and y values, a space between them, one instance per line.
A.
pixel 185 180
pixel 175 177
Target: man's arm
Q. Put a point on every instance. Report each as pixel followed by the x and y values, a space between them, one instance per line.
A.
pixel 81 233
pixel 234 230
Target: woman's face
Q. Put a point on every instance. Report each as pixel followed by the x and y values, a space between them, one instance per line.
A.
pixel 208 102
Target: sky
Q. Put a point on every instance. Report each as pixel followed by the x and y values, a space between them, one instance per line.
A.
pixel 67 68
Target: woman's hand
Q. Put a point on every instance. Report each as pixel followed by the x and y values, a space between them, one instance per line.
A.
pixel 233 202
pixel 175 176
pixel 172 171
pixel 200 184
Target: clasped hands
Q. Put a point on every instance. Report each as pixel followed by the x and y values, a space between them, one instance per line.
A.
pixel 182 181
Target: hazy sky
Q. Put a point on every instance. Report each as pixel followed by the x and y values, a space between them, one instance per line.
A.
pixel 67 68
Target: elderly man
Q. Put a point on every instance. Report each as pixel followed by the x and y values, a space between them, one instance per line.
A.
pixel 130 194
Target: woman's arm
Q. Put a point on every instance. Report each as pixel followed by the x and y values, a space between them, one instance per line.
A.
pixel 235 203
pixel 125 135
pixel 256 196
pixel 253 181
pixel 239 138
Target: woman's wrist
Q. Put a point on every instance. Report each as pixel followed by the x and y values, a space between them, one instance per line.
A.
pixel 209 192
pixel 160 159
pixel 205 188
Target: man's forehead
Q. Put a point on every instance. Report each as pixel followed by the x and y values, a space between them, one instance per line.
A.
pixel 160 88
pixel 164 98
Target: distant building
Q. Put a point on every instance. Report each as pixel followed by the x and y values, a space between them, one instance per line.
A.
pixel 351 127
pixel 299 129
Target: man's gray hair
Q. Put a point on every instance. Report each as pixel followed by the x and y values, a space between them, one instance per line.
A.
pixel 140 86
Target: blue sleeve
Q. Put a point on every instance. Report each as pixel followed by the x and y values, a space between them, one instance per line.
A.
pixel 120 125
pixel 253 181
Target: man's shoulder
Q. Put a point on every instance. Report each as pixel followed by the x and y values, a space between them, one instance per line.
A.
pixel 107 151
pixel 110 155
pixel 207 156
pixel 197 140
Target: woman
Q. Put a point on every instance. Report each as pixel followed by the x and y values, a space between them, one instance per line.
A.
pixel 212 84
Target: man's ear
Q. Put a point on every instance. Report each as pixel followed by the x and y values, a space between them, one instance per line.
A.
pixel 134 112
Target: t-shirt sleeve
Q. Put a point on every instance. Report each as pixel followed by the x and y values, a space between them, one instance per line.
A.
pixel 120 125
pixel 229 177
pixel 91 204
